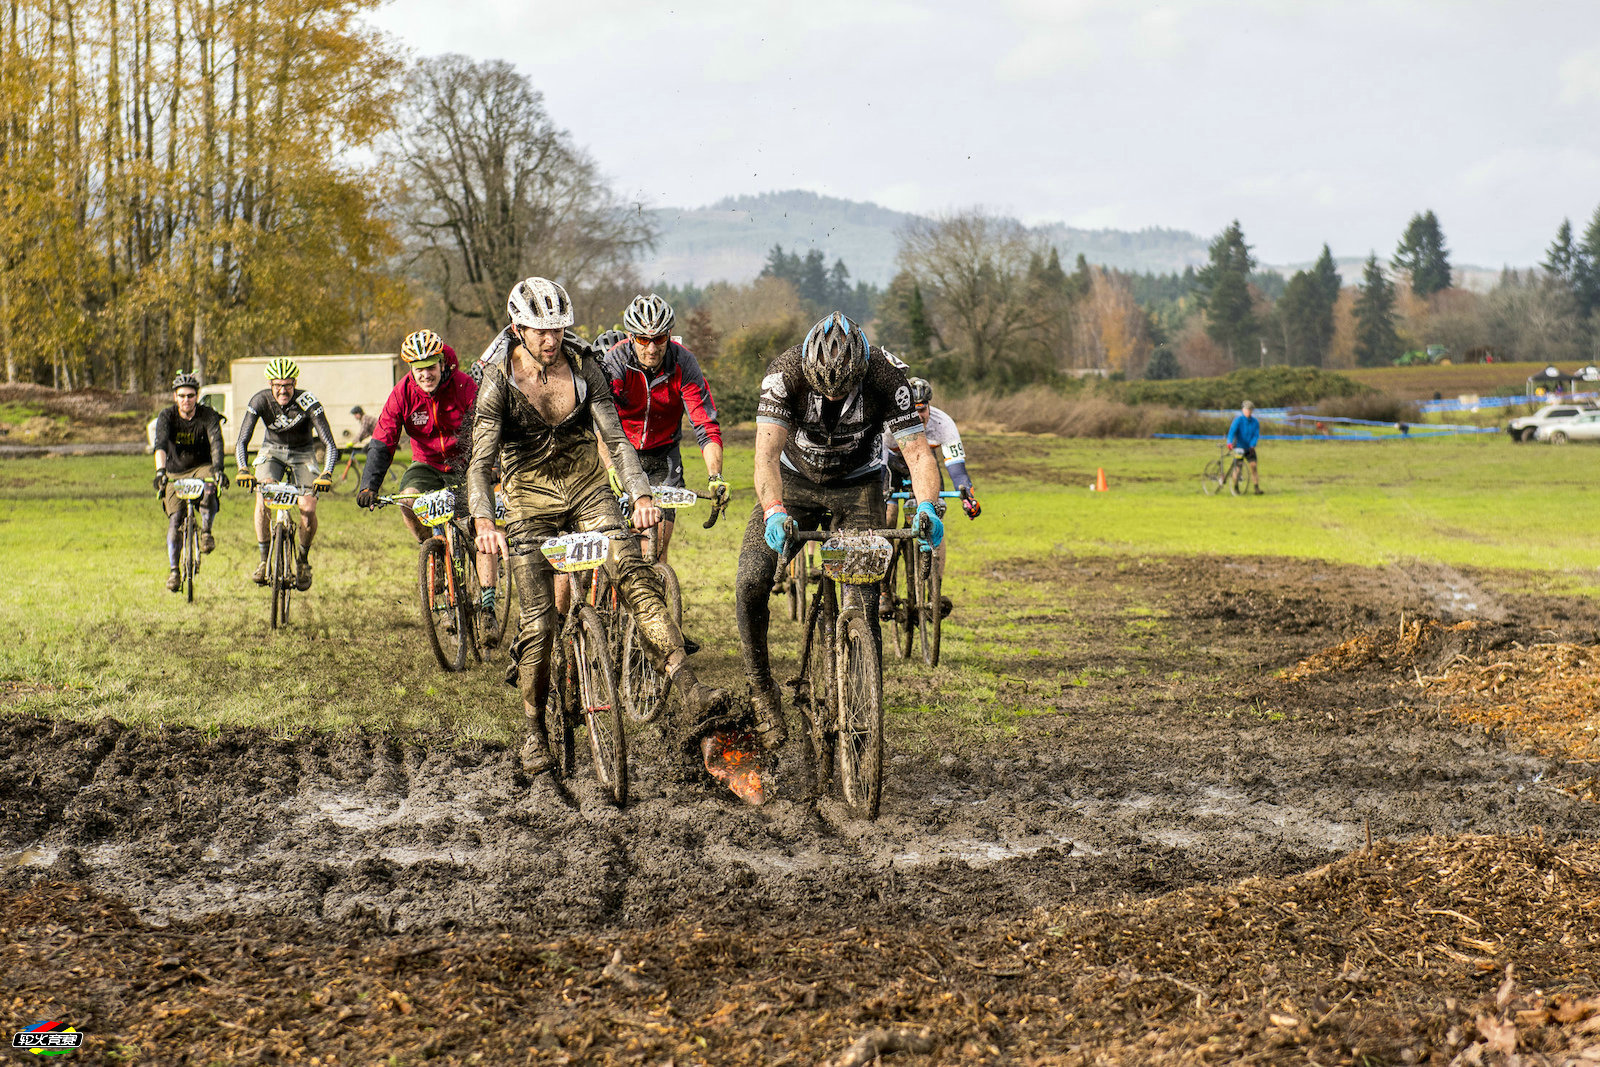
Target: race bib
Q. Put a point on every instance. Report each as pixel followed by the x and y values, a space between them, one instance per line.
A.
pixel 435 508
pixel 576 552
pixel 188 488
pixel 954 453
pixel 499 508
pixel 281 495
pixel 856 559
pixel 670 496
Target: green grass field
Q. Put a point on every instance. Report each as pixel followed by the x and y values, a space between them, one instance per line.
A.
pixel 92 631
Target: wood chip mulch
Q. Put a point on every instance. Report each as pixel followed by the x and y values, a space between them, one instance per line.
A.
pixel 1463 951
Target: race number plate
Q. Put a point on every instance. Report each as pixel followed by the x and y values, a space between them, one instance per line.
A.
pixel 670 496
pixel 435 508
pixel 576 552
pixel 189 488
pixel 856 559
pixel 499 508
pixel 281 495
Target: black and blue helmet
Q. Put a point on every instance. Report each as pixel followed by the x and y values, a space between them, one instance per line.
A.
pixel 834 356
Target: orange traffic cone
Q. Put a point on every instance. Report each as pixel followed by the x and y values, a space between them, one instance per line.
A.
pixel 1100 479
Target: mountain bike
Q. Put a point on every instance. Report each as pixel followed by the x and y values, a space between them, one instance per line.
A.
pixel 447 577
pixel 839 690
pixel 1225 470
pixel 188 491
pixel 915 582
pixel 645 689
pixel 583 680
pixel 283 501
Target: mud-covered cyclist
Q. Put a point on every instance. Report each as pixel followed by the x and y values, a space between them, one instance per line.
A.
pixel 430 405
pixel 943 436
pixel 294 422
pixel 824 404
pixel 543 403
pixel 188 445
pixel 655 381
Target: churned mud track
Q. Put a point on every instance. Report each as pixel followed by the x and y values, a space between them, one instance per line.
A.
pixel 1161 749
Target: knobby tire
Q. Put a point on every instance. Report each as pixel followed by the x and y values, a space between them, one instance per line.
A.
pixel 821 677
pixel 860 719
pixel 189 552
pixel 602 710
pixel 903 587
pixel 930 579
pixel 432 560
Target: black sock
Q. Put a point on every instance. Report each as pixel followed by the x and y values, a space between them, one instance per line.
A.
pixel 263 545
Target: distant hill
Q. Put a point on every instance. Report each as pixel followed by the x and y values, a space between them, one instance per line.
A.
pixel 729 240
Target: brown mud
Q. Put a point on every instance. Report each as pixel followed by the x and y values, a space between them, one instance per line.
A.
pixel 1161 746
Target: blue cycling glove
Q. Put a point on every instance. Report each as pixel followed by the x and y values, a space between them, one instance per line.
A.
pixel 777 537
pixel 935 526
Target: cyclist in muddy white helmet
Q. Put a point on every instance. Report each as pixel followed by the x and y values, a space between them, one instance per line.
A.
pixel 534 304
pixel 824 404
pixel 541 410
pixel 648 316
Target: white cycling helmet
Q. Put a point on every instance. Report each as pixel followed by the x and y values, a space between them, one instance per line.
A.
pixel 648 316
pixel 539 304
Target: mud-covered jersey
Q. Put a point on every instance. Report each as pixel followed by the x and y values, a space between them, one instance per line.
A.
pixel 295 426
pixel 190 443
pixel 837 440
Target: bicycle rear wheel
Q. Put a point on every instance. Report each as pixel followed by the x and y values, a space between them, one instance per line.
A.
pixel 602 711
pixel 903 587
pixel 1211 478
pixel 506 605
pixel 930 579
pixel 469 594
pixel 860 719
pixel 644 689
pixel 438 614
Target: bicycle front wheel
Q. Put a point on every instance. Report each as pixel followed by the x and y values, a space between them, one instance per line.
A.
pixel 438 613
pixel 506 605
pixel 930 580
pixel 860 719
pixel 821 679
pixel 602 710
pixel 278 580
pixel 644 689
pixel 189 553
pixel 1211 478
pixel 469 594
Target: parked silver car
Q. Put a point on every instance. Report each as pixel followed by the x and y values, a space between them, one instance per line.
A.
pixel 1586 427
pixel 1526 427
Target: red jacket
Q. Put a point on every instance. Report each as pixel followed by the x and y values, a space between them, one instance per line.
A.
pixel 434 420
pixel 652 403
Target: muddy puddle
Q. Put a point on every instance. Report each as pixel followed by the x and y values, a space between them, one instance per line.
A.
pixel 1134 786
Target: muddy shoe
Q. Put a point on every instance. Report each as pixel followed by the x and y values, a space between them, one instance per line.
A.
pixel 771 727
pixel 690 645
pixel 302 580
pixel 259 576
pixel 1257 490
pixel 208 544
pixel 174 583
pixel 701 707
pixel 535 754
pixel 488 627
pixel 946 606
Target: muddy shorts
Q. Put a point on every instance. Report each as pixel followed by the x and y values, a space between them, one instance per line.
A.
pixel 664 466
pixel 298 467
pixel 210 500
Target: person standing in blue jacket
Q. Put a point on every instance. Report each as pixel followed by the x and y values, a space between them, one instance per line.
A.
pixel 1243 433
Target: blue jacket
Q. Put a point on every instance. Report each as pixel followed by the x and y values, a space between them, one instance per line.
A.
pixel 1244 431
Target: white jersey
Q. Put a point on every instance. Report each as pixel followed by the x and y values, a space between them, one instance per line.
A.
pixel 942 433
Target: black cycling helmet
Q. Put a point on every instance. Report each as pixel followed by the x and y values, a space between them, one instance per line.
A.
pixel 921 392
pixel 186 379
pixel 834 356
pixel 357 410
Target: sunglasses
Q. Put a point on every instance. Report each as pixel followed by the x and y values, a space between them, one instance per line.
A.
pixel 661 339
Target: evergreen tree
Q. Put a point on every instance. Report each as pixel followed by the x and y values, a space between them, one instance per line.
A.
pixel 1163 365
pixel 1299 315
pixel 1423 256
pixel 1377 344
pixel 1586 269
pixel 917 321
pixel 1224 293
pixel 813 280
pixel 1559 259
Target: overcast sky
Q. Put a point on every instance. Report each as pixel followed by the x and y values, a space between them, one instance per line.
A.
pixel 1308 121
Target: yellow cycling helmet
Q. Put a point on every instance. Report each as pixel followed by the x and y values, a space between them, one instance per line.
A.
pixel 423 348
pixel 280 368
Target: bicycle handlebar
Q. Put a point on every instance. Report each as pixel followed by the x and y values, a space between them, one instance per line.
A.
pixel 794 537
pixel 947 494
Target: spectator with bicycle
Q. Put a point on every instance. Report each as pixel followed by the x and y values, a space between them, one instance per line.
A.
pixel 655 380
pixel 824 405
pixel 1243 433
pixel 365 424
pixel 544 402
pixel 188 445
pixel 430 405
pixel 295 422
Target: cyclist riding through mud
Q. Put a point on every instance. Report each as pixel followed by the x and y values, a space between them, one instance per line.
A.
pixel 188 445
pixel 295 421
pixel 544 401
pixel 824 403
pixel 655 380
pixel 430 405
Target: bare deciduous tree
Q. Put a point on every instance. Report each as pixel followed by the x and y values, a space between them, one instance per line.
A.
pixel 497 191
